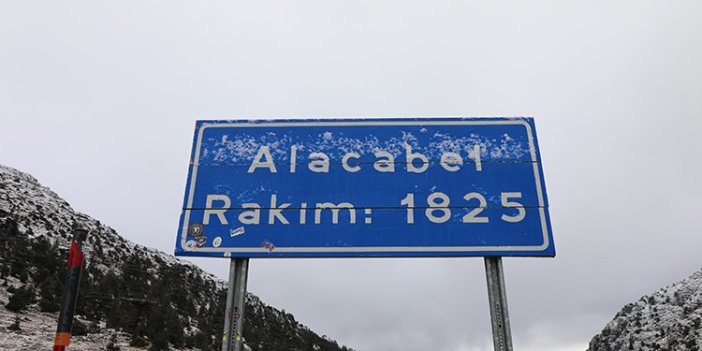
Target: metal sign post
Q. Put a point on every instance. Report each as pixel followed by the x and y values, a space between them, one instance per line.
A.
pixel 236 302
pixel 501 331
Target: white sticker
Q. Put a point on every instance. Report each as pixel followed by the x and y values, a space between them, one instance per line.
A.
pixel 237 231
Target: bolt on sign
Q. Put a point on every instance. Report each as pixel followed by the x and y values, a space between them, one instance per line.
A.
pixel 365 187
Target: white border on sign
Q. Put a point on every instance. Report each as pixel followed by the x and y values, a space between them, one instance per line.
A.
pixel 366 249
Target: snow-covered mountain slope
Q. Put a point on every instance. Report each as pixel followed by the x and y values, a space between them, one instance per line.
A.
pixel 42 213
pixel 129 294
pixel 669 319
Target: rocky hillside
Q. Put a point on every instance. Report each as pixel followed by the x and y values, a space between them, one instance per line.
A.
pixel 131 297
pixel 670 319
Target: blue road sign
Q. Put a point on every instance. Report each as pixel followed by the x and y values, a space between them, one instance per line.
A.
pixel 365 187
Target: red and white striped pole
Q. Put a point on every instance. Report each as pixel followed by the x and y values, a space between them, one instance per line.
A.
pixel 70 291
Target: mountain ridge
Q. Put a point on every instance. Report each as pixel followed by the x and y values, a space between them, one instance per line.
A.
pixel 138 295
pixel 669 319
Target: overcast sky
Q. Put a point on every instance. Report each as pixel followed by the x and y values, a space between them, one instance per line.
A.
pixel 98 100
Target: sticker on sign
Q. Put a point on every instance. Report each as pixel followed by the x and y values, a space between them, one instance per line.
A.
pixel 364 188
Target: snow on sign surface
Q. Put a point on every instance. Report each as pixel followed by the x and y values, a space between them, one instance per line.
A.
pixel 365 187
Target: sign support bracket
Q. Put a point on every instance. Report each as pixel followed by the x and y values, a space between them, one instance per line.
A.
pixel 236 302
pixel 501 332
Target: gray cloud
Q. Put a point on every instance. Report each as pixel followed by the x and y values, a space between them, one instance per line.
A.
pixel 98 100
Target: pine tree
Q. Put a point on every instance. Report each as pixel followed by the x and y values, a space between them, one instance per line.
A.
pixel 21 299
pixel 50 294
pixel 160 342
